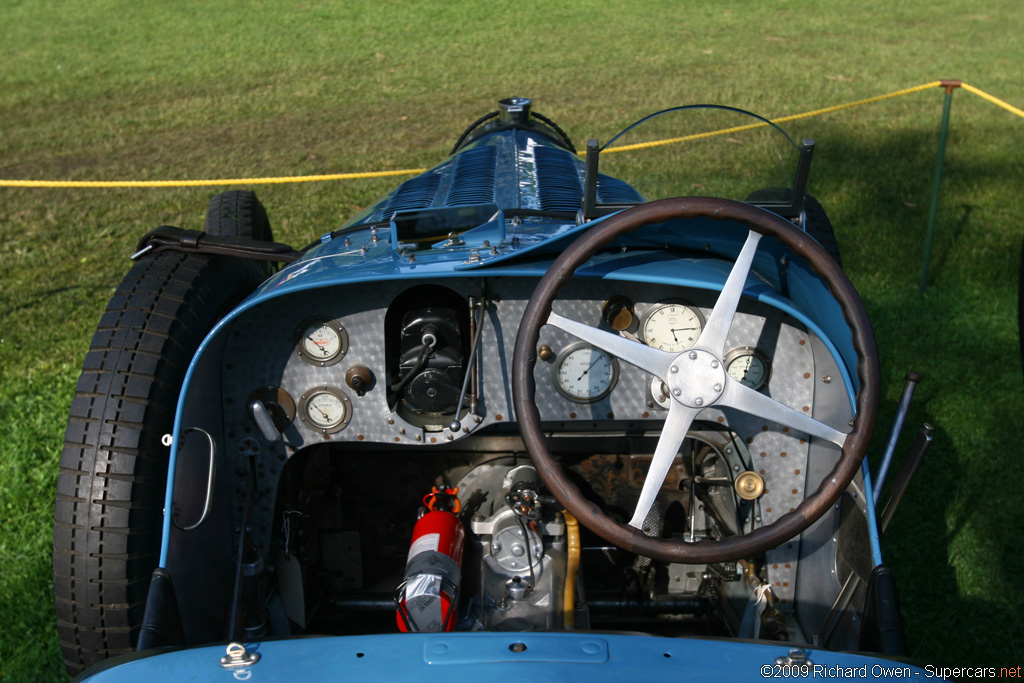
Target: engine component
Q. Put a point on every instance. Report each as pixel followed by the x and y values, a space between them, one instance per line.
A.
pixel 427 600
pixel 431 361
pixel 523 548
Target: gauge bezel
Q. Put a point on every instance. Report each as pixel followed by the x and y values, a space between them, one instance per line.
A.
pixel 569 350
pixel 312 393
pixel 659 305
pixel 317 321
pixel 757 353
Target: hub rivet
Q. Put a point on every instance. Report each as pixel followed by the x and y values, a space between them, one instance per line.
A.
pixel 699 401
pixel 677 392
pixel 714 363
pixel 674 368
pixel 693 355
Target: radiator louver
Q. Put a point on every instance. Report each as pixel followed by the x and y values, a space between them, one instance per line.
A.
pixel 473 181
pixel 614 191
pixel 417 193
pixel 558 179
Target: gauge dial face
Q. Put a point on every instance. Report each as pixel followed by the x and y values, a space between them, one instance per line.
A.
pixel 584 373
pixel 748 366
pixel 326 409
pixel 321 341
pixel 671 326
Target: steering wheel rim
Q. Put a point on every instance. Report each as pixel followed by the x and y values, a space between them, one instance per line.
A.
pixel 759 223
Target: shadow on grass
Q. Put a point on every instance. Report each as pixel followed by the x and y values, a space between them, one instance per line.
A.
pixel 955 542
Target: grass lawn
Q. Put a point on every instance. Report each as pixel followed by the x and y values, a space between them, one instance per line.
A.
pixel 110 90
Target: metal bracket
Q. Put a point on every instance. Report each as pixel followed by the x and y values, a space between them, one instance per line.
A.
pixel 237 656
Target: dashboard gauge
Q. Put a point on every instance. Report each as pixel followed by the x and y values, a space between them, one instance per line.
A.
pixel 671 326
pixel 326 409
pixel 585 373
pixel 748 366
pixel 321 341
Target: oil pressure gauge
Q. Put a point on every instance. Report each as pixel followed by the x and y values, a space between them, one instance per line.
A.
pixel 326 409
pixel 748 366
pixel 585 373
pixel 321 341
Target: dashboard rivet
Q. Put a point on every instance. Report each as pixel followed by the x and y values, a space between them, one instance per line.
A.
pixel 419 438
pixel 827 379
pixel 390 421
pixel 449 437
pixel 401 430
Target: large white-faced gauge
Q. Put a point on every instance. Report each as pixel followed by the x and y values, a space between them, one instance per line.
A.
pixel 748 366
pixel 671 326
pixel 321 341
pixel 326 409
pixel 585 373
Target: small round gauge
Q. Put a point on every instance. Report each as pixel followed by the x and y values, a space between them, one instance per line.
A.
pixel 326 409
pixel 671 326
pixel 585 373
pixel 748 366
pixel 321 341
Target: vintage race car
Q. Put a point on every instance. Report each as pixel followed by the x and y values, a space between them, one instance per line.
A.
pixel 518 418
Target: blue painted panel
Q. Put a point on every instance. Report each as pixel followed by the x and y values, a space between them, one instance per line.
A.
pixel 556 656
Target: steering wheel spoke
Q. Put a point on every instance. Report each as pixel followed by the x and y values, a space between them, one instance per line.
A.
pixel 652 360
pixel 716 330
pixel 755 403
pixel 676 427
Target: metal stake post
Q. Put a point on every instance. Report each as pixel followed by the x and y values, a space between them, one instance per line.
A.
pixel 934 210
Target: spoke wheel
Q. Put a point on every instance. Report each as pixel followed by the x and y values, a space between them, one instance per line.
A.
pixel 697 380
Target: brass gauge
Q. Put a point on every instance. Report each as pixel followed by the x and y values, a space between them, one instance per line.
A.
pixel 748 366
pixel 325 409
pixel 671 326
pixel 321 341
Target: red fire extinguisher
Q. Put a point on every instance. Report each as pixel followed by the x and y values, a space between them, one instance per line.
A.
pixel 428 597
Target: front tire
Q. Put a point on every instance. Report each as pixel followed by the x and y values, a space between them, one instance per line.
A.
pixel 113 467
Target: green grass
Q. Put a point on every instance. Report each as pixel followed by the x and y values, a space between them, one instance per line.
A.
pixel 116 90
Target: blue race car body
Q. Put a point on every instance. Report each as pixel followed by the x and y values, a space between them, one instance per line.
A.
pixel 512 419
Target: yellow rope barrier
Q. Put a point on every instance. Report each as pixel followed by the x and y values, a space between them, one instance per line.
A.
pixel 994 100
pixel 204 183
pixel 413 171
pixel 783 119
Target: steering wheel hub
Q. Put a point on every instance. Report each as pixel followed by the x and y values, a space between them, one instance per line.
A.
pixel 696 378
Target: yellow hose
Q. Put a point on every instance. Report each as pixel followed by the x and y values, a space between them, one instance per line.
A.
pixel 572 535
